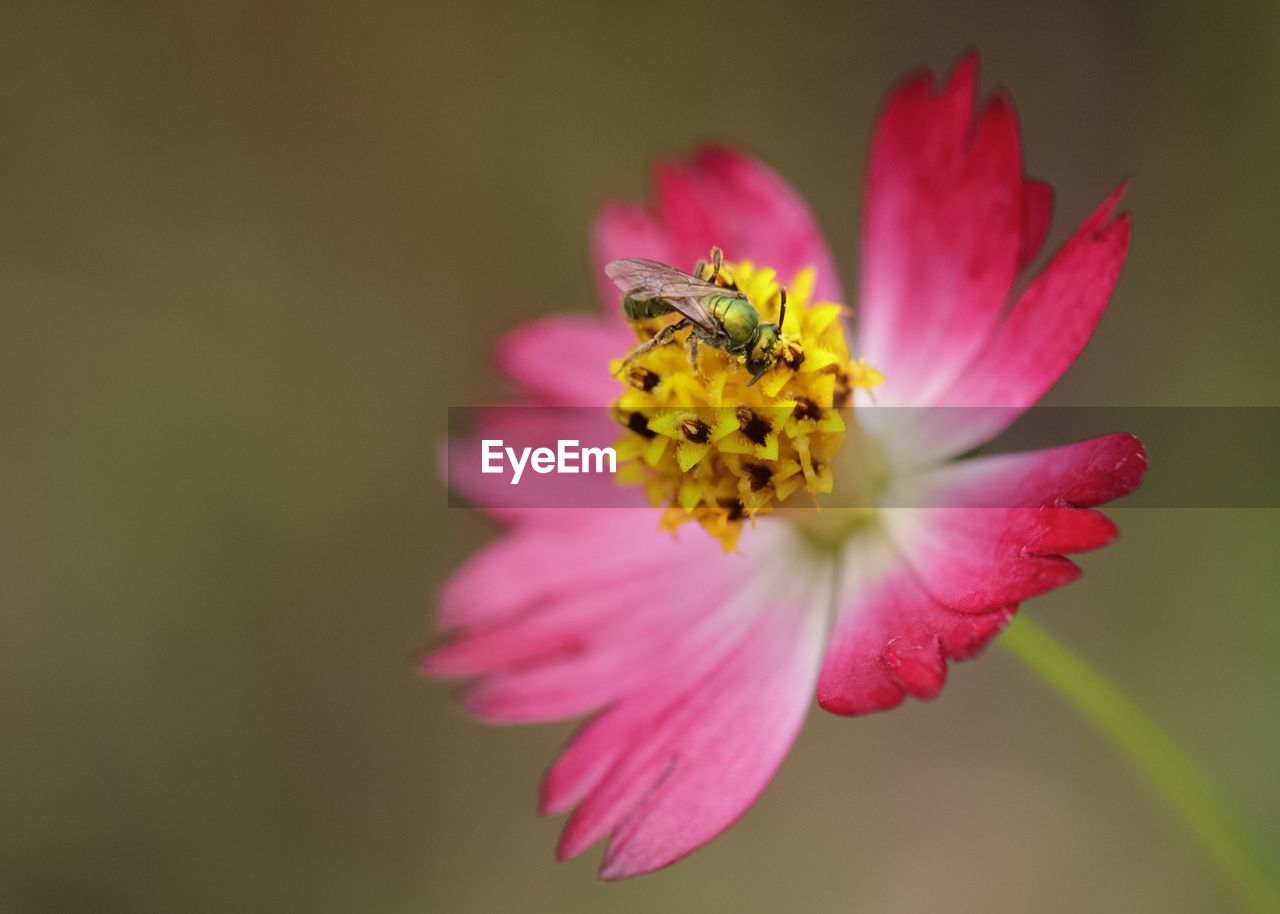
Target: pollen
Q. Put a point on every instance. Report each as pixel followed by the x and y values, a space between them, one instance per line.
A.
pixel 710 447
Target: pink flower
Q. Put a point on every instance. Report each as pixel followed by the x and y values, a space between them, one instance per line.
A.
pixel 698 667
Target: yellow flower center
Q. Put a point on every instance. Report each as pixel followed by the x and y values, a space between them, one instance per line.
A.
pixel 709 446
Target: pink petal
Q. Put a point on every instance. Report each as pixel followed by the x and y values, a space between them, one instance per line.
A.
pixel 724 198
pixel 564 360
pixel 569 552
pixel 668 769
pixel 1028 510
pixel 628 230
pixel 946 216
pixel 1041 337
pixel 573 652
pixel 729 593
pixel 1082 475
pixel 1037 212
pixel 560 362
pixel 704 664
pixel 979 559
pixel 891 638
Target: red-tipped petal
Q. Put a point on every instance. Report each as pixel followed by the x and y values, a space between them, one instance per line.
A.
pixel 1041 337
pixel 892 638
pixel 1037 213
pixel 943 224
pixel 719 746
pixel 1004 523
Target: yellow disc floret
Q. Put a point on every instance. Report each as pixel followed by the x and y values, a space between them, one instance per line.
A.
pixel 708 446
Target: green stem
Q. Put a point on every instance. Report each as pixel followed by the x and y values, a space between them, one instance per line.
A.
pixel 1175 775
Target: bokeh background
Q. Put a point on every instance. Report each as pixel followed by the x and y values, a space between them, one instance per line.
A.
pixel 251 251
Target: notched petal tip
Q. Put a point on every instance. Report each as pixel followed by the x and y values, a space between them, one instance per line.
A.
pixel 722 156
pixel 855 703
pixel 921 669
pixel 1067 530
pixel 562 786
pixel 1037 215
pixel 968 641
pixel 998 132
pixel 1106 216
pixel 968 66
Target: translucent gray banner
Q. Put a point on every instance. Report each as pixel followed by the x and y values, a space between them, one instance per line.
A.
pixel 507 457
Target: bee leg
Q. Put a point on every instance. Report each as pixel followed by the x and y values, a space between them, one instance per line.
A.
pixel 663 337
pixel 692 344
pixel 717 262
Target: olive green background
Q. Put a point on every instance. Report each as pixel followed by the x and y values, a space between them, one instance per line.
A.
pixel 250 252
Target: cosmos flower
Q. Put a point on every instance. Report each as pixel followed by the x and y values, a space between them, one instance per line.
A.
pixel 696 650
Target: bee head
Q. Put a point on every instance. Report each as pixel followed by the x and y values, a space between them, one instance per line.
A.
pixel 761 348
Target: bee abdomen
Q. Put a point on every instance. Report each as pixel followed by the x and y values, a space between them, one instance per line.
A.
pixel 640 310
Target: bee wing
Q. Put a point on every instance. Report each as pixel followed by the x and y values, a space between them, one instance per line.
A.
pixel 648 279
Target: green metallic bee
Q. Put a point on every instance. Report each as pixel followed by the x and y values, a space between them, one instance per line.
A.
pixel 720 316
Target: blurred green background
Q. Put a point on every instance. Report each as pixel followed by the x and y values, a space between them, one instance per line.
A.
pixel 250 253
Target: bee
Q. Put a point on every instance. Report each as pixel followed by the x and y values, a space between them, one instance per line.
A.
pixel 720 316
